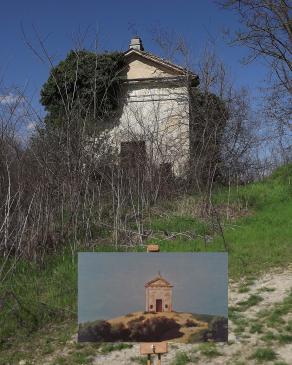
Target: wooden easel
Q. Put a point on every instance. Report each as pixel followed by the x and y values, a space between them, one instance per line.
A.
pixel 156 348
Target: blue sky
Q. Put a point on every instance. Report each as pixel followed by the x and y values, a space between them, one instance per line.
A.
pixel 112 284
pixel 116 21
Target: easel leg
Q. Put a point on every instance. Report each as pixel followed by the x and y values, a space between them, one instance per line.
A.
pixel 148 359
pixel 159 359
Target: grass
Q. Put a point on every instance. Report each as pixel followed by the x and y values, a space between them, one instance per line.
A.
pixel 266 289
pixel 141 360
pixel 256 328
pixel 273 317
pixel 244 289
pixel 264 354
pixel 209 350
pixel 109 347
pixel 257 241
pixel 182 358
pixel 284 338
pixel 178 224
pixel 252 300
pixel 269 337
pixel 241 324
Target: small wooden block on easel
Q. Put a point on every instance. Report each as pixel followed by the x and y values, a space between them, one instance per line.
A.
pixel 153 248
pixel 150 348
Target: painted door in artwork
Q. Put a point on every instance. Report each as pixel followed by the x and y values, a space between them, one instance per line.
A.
pixel 158 305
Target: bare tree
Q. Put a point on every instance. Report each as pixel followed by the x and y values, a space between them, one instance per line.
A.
pixel 267 32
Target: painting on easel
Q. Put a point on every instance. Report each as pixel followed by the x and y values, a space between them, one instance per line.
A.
pixel 141 297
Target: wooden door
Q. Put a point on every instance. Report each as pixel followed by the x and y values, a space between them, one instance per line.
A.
pixel 158 305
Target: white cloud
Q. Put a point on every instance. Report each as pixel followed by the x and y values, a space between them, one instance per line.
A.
pixel 31 126
pixel 9 99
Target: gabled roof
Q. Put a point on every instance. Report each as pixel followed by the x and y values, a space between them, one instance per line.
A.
pixel 161 61
pixel 158 278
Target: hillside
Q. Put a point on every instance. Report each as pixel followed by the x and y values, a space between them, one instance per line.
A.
pixel 38 302
pixel 186 327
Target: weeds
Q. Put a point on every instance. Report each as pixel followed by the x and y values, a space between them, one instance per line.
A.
pixel 141 360
pixel 181 358
pixel 256 328
pixel 264 354
pixel 209 350
pixel 253 300
pixel 109 347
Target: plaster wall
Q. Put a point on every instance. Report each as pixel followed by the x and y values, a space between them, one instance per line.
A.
pixel 157 113
pixel 142 68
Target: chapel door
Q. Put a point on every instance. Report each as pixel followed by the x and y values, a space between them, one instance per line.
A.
pixel 158 305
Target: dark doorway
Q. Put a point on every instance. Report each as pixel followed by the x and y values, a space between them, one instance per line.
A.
pixel 158 305
pixel 133 155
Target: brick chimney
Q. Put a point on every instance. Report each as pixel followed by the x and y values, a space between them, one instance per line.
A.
pixel 136 43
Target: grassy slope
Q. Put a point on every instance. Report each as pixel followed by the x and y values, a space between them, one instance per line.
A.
pixel 43 298
pixel 259 240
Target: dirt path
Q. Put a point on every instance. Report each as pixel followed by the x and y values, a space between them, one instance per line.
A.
pixel 247 329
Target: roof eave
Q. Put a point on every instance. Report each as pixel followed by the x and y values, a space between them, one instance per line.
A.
pixel 183 71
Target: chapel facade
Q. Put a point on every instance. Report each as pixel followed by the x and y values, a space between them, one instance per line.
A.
pixel 154 120
pixel 158 295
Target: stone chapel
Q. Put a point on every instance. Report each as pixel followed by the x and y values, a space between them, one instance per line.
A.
pixel 158 295
pixel 155 114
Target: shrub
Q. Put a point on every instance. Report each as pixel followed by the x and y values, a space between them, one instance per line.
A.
pixel 97 332
pixel 135 320
pixel 199 336
pixel 119 332
pixel 190 323
pixel 154 329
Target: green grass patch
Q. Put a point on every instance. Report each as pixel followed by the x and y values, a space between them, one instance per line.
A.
pixel 273 317
pixel 182 358
pixel 284 338
pixel 269 337
pixel 178 224
pixel 209 350
pixel 141 360
pixel 252 300
pixel 243 289
pixel 257 241
pixel 288 327
pixel 109 347
pixel 264 354
pixel 266 289
pixel 256 328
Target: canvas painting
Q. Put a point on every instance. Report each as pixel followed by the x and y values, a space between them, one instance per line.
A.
pixel 146 297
